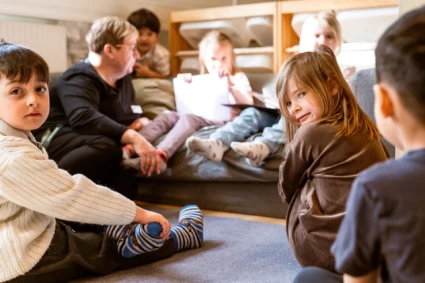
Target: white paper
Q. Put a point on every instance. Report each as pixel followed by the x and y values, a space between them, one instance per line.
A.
pixel 203 97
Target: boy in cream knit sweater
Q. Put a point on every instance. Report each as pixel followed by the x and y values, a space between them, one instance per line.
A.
pixel 34 193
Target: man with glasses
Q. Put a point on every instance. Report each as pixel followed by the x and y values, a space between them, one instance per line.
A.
pixel 93 111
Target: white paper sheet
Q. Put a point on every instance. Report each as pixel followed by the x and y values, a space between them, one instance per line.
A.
pixel 204 97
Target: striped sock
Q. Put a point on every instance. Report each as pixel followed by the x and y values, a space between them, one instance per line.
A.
pixel 135 239
pixel 189 233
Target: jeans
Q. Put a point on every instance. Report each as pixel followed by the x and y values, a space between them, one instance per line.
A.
pixel 249 122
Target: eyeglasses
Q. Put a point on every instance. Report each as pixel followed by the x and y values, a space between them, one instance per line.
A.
pixel 132 47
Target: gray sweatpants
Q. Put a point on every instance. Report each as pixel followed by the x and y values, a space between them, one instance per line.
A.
pixel 178 126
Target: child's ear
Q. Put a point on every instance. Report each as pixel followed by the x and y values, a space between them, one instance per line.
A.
pixel 332 85
pixel 383 99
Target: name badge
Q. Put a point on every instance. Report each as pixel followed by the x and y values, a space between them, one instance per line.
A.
pixel 137 109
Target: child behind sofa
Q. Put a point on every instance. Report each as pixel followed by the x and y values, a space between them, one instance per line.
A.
pixel 154 61
pixel 216 56
pixel 384 227
pixel 331 139
pixel 34 192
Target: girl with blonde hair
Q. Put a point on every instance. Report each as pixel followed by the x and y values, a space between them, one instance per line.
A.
pixel 330 140
pixel 216 56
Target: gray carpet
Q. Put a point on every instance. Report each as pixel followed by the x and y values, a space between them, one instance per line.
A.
pixel 234 251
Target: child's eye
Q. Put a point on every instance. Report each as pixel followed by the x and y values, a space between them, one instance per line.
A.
pixel 329 36
pixel 288 104
pixel 223 58
pixel 16 91
pixel 301 94
pixel 41 89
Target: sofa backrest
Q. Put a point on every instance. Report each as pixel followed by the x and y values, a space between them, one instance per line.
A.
pixel 362 86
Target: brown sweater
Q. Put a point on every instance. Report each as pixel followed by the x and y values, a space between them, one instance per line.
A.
pixel 315 179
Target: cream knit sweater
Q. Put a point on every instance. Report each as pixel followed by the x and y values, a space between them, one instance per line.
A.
pixel 33 192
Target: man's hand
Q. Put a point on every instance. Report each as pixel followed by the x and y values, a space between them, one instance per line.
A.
pixel 150 161
pixel 144 216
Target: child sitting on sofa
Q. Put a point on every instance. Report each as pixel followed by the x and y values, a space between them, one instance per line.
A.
pixel 34 193
pixel 381 235
pixel 322 28
pixel 216 56
pixel 330 140
pixel 154 61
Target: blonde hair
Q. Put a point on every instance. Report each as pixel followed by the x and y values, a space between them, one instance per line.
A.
pixel 319 73
pixel 327 18
pixel 112 30
pixel 215 37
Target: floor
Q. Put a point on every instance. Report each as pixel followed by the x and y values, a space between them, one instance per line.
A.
pixel 226 214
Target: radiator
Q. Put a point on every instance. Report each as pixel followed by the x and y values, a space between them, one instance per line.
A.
pixel 47 40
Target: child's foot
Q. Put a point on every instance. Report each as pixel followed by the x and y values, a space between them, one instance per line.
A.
pixel 189 234
pixel 136 239
pixel 210 149
pixel 135 163
pixel 255 152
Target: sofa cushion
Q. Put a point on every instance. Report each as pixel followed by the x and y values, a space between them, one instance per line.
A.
pixel 362 86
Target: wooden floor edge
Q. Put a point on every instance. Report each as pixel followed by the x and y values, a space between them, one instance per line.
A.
pixel 247 217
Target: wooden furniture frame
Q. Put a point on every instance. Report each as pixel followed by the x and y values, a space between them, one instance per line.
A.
pixel 180 48
pixel 283 34
pixel 286 36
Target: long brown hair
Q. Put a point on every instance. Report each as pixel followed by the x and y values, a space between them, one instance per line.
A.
pixel 215 37
pixel 319 72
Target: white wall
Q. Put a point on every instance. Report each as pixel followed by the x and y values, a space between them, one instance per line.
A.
pixel 407 5
pixel 88 10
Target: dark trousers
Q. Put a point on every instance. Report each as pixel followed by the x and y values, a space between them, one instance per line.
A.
pixel 74 255
pixel 316 274
pixel 95 156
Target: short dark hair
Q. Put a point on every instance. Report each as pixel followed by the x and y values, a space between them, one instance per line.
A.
pixel 21 63
pixel 400 61
pixel 143 18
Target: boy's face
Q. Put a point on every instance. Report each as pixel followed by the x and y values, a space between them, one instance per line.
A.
pixel 24 106
pixel 146 40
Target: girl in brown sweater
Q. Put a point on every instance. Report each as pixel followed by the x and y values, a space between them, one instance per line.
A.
pixel 330 140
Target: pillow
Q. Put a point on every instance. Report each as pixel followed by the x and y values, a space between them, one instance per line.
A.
pixel 154 96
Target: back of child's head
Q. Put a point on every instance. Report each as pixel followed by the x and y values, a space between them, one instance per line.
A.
pixel 217 38
pixel 21 64
pixel 319 73
pixel 400 61
pixel 112 30
pixel 143 18
pixel 326 18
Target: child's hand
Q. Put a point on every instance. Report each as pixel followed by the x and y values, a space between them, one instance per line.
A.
pixel 187 77
pixel 144 216
pixel 141 69
pixel 139 123
pixel 222 73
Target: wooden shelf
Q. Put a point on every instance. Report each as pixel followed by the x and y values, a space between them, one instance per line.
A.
pixel 281 12
pixel 238 51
